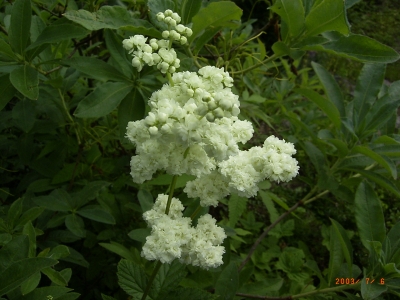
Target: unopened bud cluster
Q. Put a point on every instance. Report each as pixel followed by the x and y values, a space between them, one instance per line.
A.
pixel 177 32
pixel 159 52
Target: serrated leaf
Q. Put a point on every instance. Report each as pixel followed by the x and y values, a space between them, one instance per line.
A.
pixel 228 282
pixel 112 17
pixel 26 80
pixel 103 100
pixel 140 234
pixel 292 13
pixel 89 192
pixel 360 48
pixel 236 206
pixel 189 8
pixel 371 291
pixel 167 279
pixel 58 33
pixel 369 216
pixel 132 279
pixel 327 16
pixel 118 53
pixel 58 200
pixel 216 14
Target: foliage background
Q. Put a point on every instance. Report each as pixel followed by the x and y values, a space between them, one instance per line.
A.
pixel 67 197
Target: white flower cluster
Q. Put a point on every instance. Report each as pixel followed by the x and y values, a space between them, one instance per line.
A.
pixel 192 125
pixel 172 236
pixel 179 33
pixel 165 59
pixel 159 52
pixel 241 173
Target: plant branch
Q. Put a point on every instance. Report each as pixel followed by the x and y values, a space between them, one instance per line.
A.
pixel 153 275
pixel 267 60
pixel 304 201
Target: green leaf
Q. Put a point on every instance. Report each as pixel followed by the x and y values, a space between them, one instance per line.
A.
pixel 327 16
pixel 350 3
pixel 236 206
pixel 216 14
pixel 105 297
pixel 131 108
pixel 140 234
pixel 96 213
pixel 30 284
pixel 394 90
pixel 188 9
pixel 57 292
pixel 58 200
pixel 316 156
pixel 14 212
pixel 156 6
pixel 26 80
pixel 103 100
pixel 358 47
pixel 76 225
pixel 120 250
pixel 29 230
pixel 18 272
pixel 369 216
pixel 30 215
pixel 95 68
pixel 324 104
pixel 167 279
pixel 131 278
pixel 146 200
pixel 112 17
pixel 280 48
pixel 24 115
pixel 7 90
pixel 60 251
pixel 190 293
pixel 14 250
pixel 385 162
pixel 368 85
pixel 371 291
pixel 54 276
pixel 331 87
pixel 20 25
pixel 336 255
pixel 292 13
pixel 58 33
pixel 6 50
pixel 347 249
pixel 89 192
pixel 228 282
pixel 394 240
pixel 118 53
pixel 378 118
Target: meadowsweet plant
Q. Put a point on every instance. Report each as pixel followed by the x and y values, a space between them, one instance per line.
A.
pixel 193 128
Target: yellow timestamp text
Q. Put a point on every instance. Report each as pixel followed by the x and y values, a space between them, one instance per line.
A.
pixel 347 280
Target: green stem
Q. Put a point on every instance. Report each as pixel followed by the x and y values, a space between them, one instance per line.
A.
pixel 267 60
pixel 193 215
pixel 69 116
pixel 171 83
pixel 152 277
pixel 171 193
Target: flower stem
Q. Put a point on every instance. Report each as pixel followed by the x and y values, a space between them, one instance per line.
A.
pixel 171 193
pixel 153 275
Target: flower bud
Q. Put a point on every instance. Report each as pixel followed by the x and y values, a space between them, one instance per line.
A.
pixel 160 16
pixel 225 104
pixel 210 117
pixel 218 113
pixel 176 17
pixel 150 119
pixel 153 130
pixel 188 32
pixel 212 105
pixel 165 34
pixel 183 40
pixel 171 69
pixel 168 12
pixel 180 28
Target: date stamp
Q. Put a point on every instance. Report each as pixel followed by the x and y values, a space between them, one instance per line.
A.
pixel 368 280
